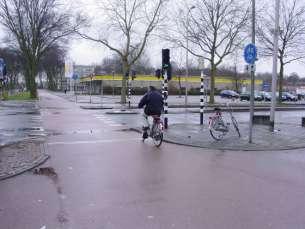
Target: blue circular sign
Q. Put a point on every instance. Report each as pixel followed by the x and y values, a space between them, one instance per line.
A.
pixel 250 53
pixel 75 76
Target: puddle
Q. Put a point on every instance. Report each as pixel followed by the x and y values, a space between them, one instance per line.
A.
pixel 50 172
pixel 130 130
pixel 31 129
pixel 46 171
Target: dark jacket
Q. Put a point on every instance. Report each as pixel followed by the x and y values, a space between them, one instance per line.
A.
pixel 153 102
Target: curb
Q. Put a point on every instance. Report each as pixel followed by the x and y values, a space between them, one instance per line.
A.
pixel 166 139
pixel 37 162
pixel 95 108
pixel 123 111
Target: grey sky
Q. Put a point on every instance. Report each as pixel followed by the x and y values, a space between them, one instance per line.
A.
pixel 87 52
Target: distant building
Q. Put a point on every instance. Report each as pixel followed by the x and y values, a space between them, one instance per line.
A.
pixel 83 70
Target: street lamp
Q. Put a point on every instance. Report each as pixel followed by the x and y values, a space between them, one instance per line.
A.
pixel 187 54
pixel 274 69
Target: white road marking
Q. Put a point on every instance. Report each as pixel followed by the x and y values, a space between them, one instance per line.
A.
pixel 95 142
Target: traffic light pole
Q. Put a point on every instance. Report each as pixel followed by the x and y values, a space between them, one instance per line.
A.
pixel 201 97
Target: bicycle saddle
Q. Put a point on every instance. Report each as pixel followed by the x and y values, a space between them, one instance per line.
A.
pixel 217 109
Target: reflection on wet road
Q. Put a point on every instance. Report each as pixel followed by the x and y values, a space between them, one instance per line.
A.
pixel 19 120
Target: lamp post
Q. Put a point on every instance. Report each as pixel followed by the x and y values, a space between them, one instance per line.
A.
pixel 187 55
pixel 274 71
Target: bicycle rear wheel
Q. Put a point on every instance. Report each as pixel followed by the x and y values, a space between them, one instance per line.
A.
pixel 235 124
pixel 217 129
pixel 157 135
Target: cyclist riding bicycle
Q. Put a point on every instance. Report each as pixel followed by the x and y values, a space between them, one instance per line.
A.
pixel 153 102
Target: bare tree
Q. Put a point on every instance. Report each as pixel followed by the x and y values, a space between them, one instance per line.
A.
pixel 214 30
pixel 35 26
pixel 291 39
pixel 52 63
pixel 128 24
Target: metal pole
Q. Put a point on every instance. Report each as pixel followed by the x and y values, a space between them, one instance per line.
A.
pixel 186 63
pixel 165 95
pixel 102 92
pixel 252 76
pixel 113 83
pixel 90 88
pixel 274 71
pixel 75 88
pixel 187 56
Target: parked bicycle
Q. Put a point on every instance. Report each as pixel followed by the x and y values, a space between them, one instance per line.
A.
pixel 218 127
pixel 155 131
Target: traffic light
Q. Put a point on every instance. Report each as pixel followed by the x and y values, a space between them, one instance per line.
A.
pixel 133 74
pixel 158 73
pixel 166 63
pixel 4 70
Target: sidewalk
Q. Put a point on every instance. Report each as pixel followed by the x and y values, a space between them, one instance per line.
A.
pixel 286 137
pixel 21 137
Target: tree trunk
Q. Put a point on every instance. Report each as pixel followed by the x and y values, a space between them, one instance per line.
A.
pixel 51 79
pixel 281 77
pixel 124 81
pixel 30 76
pixel 212 92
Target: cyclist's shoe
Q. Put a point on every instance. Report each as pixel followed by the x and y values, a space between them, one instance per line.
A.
pixel 145 135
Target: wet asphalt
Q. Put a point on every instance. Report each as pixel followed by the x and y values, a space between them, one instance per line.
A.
pixel 102 176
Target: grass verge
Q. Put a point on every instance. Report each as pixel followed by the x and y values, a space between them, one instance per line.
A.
pixel 20 96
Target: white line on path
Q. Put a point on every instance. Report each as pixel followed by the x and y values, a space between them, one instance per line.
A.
pixel 95 142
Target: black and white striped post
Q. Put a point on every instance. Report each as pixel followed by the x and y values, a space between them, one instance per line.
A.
pixel 201 97
pixel 165 95
pixel 129 93
pixel 166 70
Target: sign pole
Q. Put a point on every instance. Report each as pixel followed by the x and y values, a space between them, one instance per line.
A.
pixel 252 76
pixel 102 92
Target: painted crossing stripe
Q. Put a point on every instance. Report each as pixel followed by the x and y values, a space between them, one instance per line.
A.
pixel 95 142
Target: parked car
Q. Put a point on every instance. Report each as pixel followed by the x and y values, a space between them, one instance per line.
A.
pixel 301 95
pixel 246 96
pixel 290 97
pixel 284 98
pixel 229 94
pixel 265 95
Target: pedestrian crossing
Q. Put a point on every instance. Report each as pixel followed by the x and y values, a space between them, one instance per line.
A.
pixel 108 121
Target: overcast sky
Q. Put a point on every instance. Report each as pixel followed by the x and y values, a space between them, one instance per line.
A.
pixel 86 52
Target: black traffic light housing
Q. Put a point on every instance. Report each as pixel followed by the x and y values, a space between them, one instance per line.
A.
pixel 133 74
pixel 158 73
pixel 166 63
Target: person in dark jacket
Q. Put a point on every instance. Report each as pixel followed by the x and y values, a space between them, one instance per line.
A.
pixel 153 102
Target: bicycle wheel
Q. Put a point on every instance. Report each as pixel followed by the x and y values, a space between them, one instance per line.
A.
pixel 235 124
pixel 217 128
pixel 157 134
